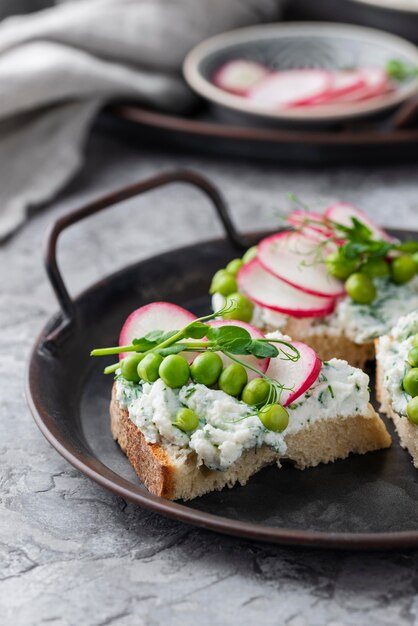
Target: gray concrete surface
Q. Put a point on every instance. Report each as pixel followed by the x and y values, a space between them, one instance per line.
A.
pixel 72 553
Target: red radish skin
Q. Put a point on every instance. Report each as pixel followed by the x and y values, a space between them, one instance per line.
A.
pixel 342 212
pixel 343 83
pixel 376 83
pixel 270 292
pixel 283 255
pixel 298 375
pixel 260 364
pixel 239 76
pixel 282 90
pixel 155 316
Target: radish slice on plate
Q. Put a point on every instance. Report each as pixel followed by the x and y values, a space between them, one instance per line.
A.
pixel 292 257
pixel 376 83
pixel 261 364
pixel 272 293
pixel 342 213
pixel 298 375
pixel 238 76
pixel 343 83
pixel 154 316
pixel 290 88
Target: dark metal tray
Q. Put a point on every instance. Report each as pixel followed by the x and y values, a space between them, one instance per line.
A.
pixel 363 502
pixel 390 139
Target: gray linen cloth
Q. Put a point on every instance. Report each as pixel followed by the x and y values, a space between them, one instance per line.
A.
pixel 60 65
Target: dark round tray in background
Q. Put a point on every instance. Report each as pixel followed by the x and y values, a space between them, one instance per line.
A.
pixel 391 139
pixel 363 502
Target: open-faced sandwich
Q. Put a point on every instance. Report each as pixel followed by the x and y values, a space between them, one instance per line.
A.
pixel 201 404
pixel 397 380
pixel 335 280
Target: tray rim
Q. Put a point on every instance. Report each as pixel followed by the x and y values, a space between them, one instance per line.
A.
pixel 123 488
pixel 161 121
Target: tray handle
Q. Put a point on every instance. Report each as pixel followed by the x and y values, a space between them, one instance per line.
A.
pixel 185 176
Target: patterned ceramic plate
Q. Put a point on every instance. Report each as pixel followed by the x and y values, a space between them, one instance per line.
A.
pixel 301 46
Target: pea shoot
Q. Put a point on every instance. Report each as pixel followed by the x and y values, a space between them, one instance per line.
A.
pixel 163 355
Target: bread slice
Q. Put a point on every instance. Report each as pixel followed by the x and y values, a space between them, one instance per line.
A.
pixel 330 345
pixel 173 473
pixel 407 432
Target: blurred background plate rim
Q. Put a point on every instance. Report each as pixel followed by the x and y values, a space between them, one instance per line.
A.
pixel 240 105
pixel 400 6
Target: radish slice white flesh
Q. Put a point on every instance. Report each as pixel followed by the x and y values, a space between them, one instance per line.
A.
pixel 298 376
pixel 272 293
pixel 292 257
pixel 342 213
pixel 238 76
pixel 310 223
pixel 155 316
pixel 290 88
pixel 260 364
pixel 375 83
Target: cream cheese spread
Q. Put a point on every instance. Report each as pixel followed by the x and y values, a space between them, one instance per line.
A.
pixel 392 355
pixel 227 426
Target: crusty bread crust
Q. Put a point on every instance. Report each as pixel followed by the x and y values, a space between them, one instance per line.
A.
pixel 407 432
pixel 328 345
pixel 173 473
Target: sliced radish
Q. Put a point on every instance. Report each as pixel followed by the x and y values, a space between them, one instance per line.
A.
pixel 155 316
pixel 375 83
pixel 292 257
pixel 298 375
pixel 272 293
pixel 282 90
pixel 343 83
pixel 238 76
pixel 311 223
pixel 342 213
pixel 260 364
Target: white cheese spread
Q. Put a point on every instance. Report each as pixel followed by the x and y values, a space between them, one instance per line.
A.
pixel 227 426
pixel 392 355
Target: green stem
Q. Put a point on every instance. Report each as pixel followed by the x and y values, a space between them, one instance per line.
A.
pixel 114 350
pixel 111 369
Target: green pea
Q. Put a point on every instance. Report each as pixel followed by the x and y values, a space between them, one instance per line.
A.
pixel 415 257
pixel 234 266
pixel 174 371
pixel 224 283
pixel 274 417
pixel 360 288
pixel 410 382
pixel 233 379
pixel 403 268
pixel 413 357
pixel 415 341
pixel 256 392
pixel 149 366
pixel 340 267
pixel 206 368
pixel 186 420
pixel 375 268
pixel 129 367
pixel 250 254
pixel 412 410
pixel 239 308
